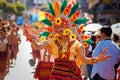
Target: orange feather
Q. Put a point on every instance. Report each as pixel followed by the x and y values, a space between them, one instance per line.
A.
pixel 56 7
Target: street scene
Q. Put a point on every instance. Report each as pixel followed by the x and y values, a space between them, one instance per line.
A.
pixel 23 69
pixel 59 39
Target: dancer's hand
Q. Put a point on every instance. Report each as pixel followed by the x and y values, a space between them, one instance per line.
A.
pixel 103 56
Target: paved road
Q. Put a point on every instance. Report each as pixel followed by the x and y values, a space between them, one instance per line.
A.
pixel 22 70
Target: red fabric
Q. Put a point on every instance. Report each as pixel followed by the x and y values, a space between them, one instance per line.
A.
pixel 43 70
pixel 64 69
pixel 2 61
pixel 3 55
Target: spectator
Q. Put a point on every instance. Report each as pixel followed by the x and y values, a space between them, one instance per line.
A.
pixel 4 49
pixel 105 70
pixel 89 53
pixel 98 37
pixel 20 20
pixel 12 17
pixel 118 72
pixel 115 38
pixel 34 18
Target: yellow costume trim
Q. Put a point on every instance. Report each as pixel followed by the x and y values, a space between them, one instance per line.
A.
pixel 74 53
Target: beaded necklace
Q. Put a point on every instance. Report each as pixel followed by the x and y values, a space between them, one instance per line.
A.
pixel 64 49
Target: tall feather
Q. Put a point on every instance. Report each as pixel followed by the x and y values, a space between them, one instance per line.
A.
pixel 49 16
pixel 67 9
pixel 51 9
pixel 64 4
pixel 74 17
pixel 73 10
pixel 56 7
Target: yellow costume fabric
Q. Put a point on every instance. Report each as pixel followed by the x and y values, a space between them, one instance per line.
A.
pixel 54 48
pixel 73 51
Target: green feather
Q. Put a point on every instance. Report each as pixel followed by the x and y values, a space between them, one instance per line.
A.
pixel 64 4
pixel 44 34
pixel 47 22
pixel 51 8
pixel 89 41
pixel 81 21
pixel 36 27
pixel 73 10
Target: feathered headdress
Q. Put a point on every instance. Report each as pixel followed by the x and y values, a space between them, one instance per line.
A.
pixel 65 14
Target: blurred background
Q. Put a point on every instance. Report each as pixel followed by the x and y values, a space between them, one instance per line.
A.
pixel 102 11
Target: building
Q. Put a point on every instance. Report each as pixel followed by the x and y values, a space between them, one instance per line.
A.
pixel 106 11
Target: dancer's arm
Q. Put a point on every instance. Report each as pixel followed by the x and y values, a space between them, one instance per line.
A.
pixel 93 60
pixel 39 46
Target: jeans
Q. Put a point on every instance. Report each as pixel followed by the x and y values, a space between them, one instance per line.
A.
pixel 97 77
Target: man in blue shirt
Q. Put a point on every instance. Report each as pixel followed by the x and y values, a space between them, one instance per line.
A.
pixel 34 18
pixel 20 20
pixel 105 70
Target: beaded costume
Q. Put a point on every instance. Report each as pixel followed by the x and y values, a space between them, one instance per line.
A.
pixel 66 59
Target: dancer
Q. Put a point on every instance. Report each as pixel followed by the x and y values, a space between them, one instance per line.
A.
pixel 4 51
pixel 68 52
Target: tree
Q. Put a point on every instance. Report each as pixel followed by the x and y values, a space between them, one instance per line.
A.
pixel 10 7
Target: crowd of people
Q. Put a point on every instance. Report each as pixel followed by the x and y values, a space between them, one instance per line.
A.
pixel 9 42
pixel 58 48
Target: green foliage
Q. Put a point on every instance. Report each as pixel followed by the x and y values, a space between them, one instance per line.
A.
pixel 19 7
pixel 10 7
pixel 3 5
